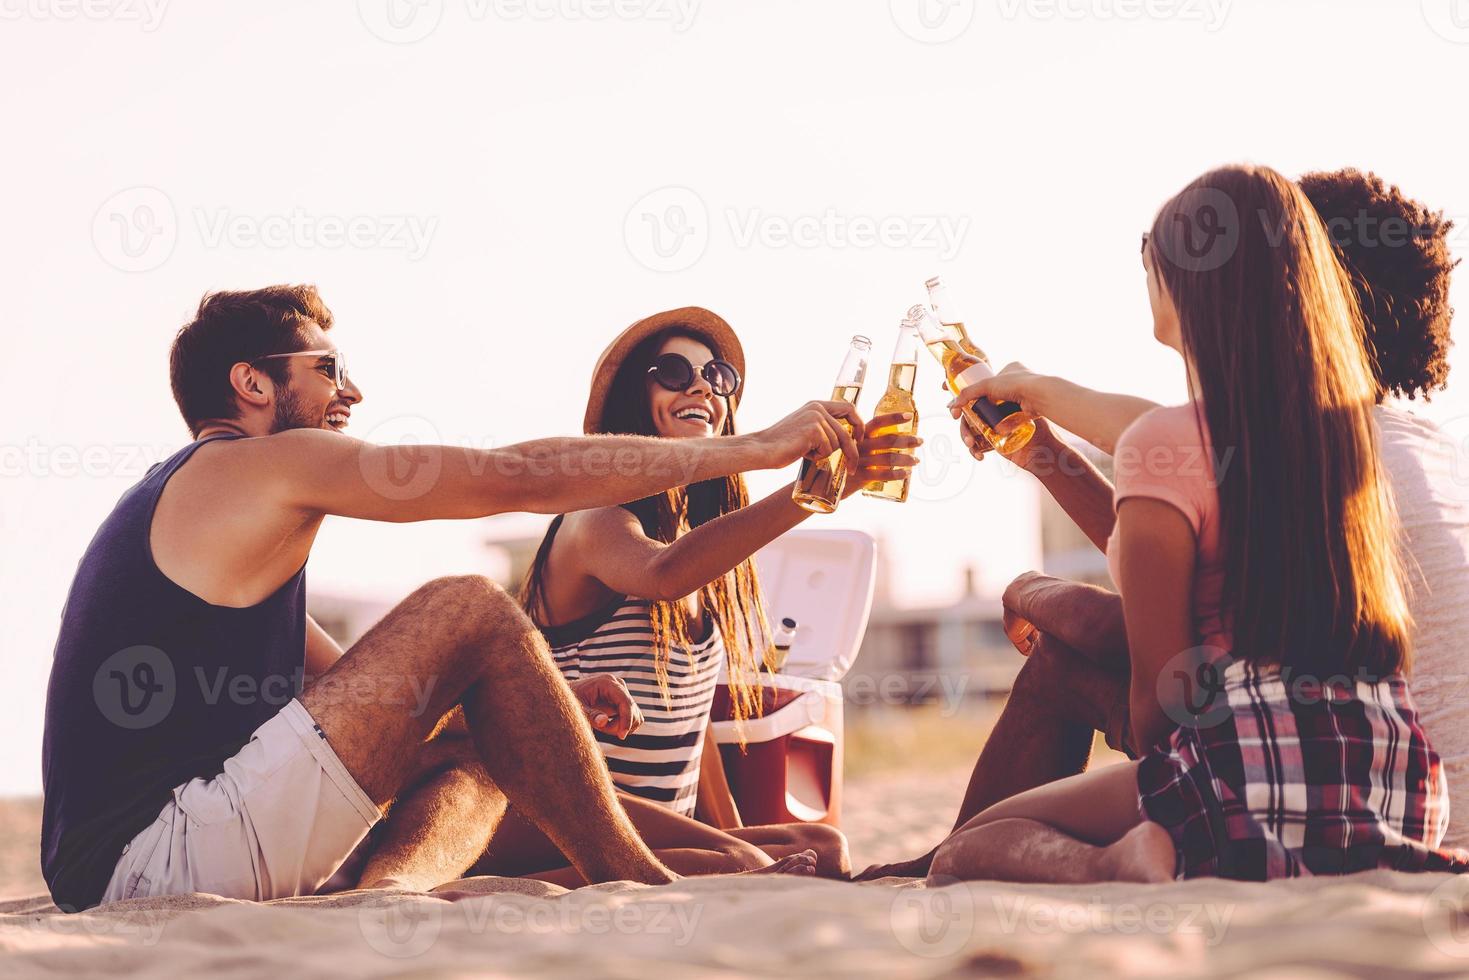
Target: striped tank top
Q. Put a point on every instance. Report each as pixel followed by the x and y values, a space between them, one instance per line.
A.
pixel 659 761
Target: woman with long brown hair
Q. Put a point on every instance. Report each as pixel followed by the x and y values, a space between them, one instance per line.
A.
pixel 1255 552
pixel 657 595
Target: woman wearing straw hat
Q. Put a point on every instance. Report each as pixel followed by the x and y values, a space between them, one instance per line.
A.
pixel 652 598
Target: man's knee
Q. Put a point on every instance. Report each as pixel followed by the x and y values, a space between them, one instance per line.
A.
pixel 476 603
pixel 821 838
pixel 1045 677
pixel 1058 682
pixel 742 856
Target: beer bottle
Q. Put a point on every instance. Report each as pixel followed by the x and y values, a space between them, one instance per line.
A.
pixel 1006 427
pixel 820 485
pixel 898 398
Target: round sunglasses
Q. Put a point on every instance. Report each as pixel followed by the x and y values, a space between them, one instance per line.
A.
pixel 676 372
pixel 332 361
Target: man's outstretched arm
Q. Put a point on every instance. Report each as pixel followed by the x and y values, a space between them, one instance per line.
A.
pixel 324 473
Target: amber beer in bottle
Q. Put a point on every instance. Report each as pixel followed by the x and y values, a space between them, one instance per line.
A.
pixel 898 398
pixel 1004 424
pixel 820 485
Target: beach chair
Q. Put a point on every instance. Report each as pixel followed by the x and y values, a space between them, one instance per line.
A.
pixel 790 768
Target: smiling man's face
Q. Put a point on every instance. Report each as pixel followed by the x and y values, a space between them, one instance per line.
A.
pixel 695 412
pixel 309 399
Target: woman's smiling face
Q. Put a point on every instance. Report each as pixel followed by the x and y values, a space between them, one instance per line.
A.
pixel 695 412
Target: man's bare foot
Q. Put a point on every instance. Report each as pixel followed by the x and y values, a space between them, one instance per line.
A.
pixel 1144 853
pixel 802 864
pixel 915 868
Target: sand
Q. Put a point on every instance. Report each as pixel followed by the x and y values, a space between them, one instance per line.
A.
pixel 1374 924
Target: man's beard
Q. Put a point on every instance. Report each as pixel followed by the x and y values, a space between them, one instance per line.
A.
pixel 289 414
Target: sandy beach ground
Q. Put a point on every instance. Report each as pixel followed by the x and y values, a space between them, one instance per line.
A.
pixel 1372 925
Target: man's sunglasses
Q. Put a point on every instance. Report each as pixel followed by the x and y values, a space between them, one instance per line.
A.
pixel 336 363
pixel 676 372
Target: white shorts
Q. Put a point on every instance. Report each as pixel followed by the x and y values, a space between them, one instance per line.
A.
pixel 283 816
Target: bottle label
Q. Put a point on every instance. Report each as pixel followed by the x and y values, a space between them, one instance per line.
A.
pixel 992 412
pixel 977 371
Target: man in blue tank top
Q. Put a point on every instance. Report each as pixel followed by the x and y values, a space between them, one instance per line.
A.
pixel 204 734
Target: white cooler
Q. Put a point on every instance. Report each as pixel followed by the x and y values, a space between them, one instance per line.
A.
pixel 790 768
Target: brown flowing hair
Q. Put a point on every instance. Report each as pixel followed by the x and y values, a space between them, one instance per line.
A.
pixel 1277 348
pixel 734 601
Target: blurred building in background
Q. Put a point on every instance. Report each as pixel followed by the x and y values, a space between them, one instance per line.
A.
pixel 1065 551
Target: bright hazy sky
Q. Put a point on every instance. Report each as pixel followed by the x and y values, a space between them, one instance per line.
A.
pixel 486 192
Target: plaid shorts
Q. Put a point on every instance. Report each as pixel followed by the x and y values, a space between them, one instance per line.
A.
pixel 1320 779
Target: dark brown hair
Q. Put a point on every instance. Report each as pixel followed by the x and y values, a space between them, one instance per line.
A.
pixel 1274 338
pixel 734 601
pixel 1397 253
pixel 230 327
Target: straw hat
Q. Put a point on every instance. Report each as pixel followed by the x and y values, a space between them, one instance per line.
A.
pixel 694 318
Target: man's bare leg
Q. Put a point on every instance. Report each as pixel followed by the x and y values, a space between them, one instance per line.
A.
pixel 1087 618
pixel 687 846
pixel 463 640
pixel 833 860
pixel 1044 733
pixel 439 827
pixel 1081 829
